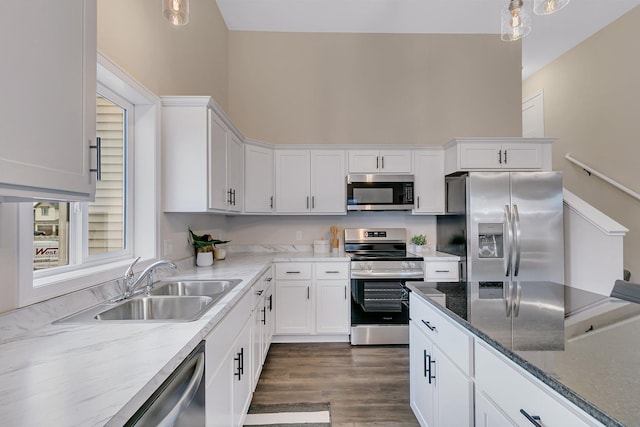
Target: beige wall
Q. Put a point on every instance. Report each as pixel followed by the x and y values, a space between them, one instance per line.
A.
pixel 168 60
pixel 320 88
pixel 591 105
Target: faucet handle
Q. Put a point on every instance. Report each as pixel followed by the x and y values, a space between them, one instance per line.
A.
pixel 129 272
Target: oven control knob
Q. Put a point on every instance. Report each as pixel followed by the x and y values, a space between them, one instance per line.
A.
pixel 369 265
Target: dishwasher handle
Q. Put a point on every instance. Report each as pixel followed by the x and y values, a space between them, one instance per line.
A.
pixel 190 391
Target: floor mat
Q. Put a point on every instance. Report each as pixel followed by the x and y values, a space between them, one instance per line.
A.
pixel 289 415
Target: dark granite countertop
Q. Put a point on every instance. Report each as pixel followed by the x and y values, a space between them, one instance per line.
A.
pixel 583 345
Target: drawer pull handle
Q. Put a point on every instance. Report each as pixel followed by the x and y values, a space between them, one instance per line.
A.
pixel 425 363
pixel 269 279
pixel 443 271
pixel 431 362
pixel 259 293
pixel 332 272
pixel 533 418
pixel 293 272
pixel 428 325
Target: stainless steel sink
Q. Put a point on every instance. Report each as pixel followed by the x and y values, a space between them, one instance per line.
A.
pixel 212 288
pixel 158 308
pixel 169 301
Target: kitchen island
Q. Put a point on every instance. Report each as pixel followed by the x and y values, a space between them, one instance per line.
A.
pixel 100 374
pixel 583 346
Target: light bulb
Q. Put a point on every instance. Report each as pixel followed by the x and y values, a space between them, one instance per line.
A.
pixel 545 7
pixel 175 6
pixel 515 18
pixel 176 11
pixel 549 6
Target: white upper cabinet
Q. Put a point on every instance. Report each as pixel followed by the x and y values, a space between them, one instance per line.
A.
pixel 226 183
pixel 466 154
pixel 258 179
pixel 203 157
pixel 428 166
pixel 379 161
pixel 310 181
pixel 328 182
pixel 293 171
pixel 48 101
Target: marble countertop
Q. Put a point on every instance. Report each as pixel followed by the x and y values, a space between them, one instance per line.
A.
pixel 100 374
pixel 583 345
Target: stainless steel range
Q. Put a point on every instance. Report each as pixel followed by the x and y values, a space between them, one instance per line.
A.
pixel 380 266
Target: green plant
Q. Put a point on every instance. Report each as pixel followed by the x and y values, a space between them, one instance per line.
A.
pixel 204 243
pixel 419 240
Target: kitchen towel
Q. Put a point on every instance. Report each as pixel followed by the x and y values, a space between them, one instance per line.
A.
pixel 289 415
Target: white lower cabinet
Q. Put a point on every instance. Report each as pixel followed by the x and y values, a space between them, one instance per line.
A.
pixel 488 414
pixel 262 320
pixel 520 397
pixel 332 307
pixel 441 391
pixel 235 351
pixel 312 298
pixel 294 303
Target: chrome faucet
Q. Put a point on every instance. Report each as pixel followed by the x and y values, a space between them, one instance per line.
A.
pixel 132 285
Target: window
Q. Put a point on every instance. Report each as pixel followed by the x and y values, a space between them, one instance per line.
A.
pixel 71 246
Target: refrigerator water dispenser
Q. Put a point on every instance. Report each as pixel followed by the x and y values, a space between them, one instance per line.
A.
pixel 490 240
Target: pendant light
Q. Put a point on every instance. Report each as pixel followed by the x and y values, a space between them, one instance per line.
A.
pixel 545 7
pixel 516 21
pixel 176 11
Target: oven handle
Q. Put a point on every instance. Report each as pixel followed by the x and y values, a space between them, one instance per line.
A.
pixel 418 274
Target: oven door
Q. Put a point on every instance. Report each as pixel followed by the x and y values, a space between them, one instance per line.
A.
pixel 379 311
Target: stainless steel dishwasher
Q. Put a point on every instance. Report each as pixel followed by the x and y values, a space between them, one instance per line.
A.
pixel 179 401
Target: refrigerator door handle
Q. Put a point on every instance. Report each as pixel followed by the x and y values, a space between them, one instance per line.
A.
pixel 507 214
pixel 508 300
pixel 516 220
pixel 516 303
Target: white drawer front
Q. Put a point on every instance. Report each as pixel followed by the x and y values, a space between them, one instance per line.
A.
pixel 293 270
pixel 441 271
pixel 511 390
pixel 332 270
pixel 454 342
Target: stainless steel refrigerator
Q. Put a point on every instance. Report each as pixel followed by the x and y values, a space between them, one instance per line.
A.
pixel 504 225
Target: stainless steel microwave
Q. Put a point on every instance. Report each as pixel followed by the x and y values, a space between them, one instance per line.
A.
pixel 378 192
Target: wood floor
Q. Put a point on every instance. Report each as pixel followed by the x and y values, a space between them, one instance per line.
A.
pixel 366 386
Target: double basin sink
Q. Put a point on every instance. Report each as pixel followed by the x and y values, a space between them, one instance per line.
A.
pixel 168 301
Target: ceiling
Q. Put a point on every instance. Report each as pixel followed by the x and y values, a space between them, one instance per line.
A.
pixel 551 35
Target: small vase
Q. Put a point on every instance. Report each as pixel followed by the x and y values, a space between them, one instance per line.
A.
pixel 219 253
pixel 204 259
